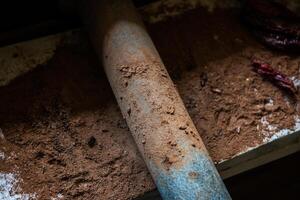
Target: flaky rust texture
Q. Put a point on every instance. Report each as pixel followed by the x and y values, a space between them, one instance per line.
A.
pixel 152 107
pixel 147 97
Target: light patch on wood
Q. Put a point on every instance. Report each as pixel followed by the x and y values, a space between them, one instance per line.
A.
pixel 20 58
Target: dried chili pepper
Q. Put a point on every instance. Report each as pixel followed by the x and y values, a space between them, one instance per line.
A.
pixel 273 24
pixel 278 78
pixel 279 41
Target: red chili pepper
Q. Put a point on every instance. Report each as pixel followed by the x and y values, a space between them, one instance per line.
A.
pixel 278 78
pixel 273 24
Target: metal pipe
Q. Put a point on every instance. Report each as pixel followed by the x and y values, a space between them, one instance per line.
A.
pixel 152 107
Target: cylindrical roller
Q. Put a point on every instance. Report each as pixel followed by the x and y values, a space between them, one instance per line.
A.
pixel 152 107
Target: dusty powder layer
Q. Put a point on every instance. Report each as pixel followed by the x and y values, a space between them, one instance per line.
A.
pixel 209 56
pixel 229 108
pixel 64 134
pixel 210 63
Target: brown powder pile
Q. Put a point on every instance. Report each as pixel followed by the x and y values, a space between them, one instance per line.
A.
pixel 208 55
pixel 64 133
pixel 228 102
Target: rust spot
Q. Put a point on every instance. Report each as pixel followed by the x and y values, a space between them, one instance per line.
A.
pixel 167 163
pixel 164 122
pixel 171 160
pixel 131 69
pixel 170 110
pixel 193 175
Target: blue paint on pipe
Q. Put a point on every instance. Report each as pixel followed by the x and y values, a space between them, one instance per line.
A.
pixel 197 179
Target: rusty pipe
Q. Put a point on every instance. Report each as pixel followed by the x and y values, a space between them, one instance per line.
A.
pixel 160 125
